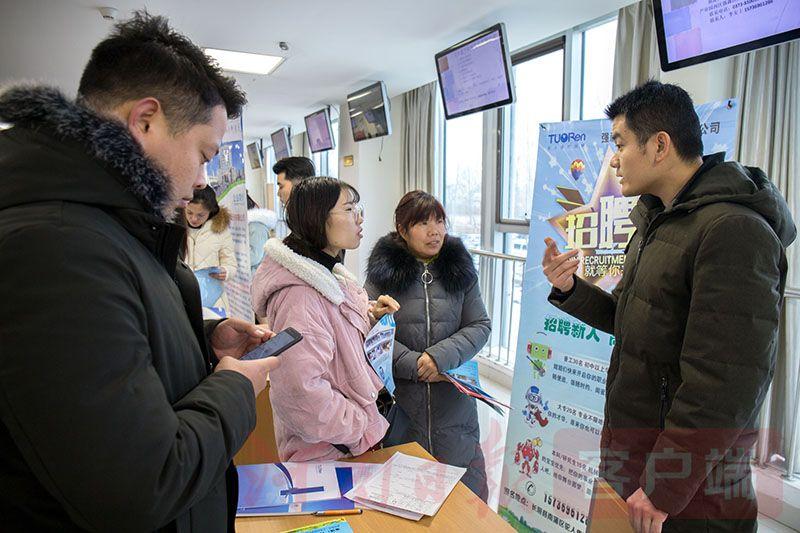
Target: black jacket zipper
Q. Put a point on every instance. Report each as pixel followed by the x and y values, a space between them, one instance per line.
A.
pixel 663 410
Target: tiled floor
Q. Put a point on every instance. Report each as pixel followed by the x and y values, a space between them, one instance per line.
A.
pixel 493 437
pixel 767 525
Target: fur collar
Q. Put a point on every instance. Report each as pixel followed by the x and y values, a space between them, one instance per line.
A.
pixel 392 268
pixel 221 220
pixel 311 272
pixel 105 139
pixel 267 217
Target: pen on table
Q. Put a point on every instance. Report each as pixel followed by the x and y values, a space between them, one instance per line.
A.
pixel 343 512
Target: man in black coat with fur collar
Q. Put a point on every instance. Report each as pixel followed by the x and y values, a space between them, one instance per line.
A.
pixel 120 410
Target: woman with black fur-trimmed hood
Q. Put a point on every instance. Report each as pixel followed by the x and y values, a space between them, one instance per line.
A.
pixel 441 324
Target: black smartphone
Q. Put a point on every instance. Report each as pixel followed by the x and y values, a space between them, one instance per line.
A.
pixel 275 346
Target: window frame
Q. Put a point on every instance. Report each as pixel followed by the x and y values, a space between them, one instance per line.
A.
pixel 443 164
pixel 572 42
pixel 505 126
pixel 582 31
pixel 496 229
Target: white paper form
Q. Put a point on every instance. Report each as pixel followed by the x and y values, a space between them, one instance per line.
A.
pixel 409 483
pixel 386 509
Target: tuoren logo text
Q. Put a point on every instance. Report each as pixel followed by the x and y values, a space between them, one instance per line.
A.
pixel 566 137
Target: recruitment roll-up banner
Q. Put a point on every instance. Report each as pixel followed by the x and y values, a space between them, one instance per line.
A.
pixel 553 440
pixel 225 173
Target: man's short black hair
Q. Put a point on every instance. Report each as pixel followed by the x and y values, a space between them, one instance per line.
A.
pixel 144 57
pixel 296 168
pixel 656 106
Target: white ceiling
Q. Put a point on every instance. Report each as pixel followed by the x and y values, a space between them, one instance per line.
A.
pixel 336 47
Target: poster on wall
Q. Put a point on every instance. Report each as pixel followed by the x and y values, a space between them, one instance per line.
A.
pixel 225 174
pixel 558 393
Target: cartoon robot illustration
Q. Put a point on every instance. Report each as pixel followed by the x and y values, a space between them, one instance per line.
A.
pixel 538 354
pixel 527 456
pixel 536 410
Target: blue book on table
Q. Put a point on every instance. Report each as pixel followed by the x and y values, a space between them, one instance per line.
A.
pixel 284 489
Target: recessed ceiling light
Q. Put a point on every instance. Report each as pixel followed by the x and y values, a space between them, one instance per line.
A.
pixel 245 62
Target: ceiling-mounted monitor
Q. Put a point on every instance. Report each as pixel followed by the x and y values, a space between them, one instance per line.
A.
pixel 696 31
pixel 280 144
pixel 319 131
pixel 370 115
pixel 476 74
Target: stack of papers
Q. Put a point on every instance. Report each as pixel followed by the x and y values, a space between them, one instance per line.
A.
pixel 465 379
pixel 407 486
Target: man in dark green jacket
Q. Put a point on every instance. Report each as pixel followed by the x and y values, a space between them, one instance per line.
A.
pixel 695 318
pixel 111 417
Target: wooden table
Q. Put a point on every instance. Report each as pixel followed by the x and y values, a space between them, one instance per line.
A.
pixel 260 446
pixel 461 511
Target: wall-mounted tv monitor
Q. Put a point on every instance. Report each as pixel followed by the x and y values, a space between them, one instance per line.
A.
pixel 319 131
pixel 280 144
pixel 370 115
pixel 695 31
pixel 476 74
pixel 254 155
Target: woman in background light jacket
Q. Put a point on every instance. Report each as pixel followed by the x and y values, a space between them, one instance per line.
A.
pixel 209 242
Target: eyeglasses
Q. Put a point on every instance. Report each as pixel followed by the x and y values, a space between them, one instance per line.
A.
pixel 354 210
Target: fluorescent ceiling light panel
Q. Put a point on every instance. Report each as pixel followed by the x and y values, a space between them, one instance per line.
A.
pixel 245 62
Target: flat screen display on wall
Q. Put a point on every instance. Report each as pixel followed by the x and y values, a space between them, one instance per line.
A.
pixel 696 31
pixel 475 74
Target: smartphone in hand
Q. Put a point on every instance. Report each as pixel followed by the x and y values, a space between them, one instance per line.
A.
pixel 274 346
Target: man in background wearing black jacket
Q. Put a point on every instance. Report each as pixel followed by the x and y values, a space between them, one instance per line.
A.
pixel 695 318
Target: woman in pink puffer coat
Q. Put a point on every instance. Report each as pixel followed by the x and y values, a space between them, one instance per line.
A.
pixel 324 393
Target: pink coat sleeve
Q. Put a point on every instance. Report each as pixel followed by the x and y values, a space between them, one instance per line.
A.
pixel 303 398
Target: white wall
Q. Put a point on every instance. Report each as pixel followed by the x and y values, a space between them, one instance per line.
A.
pixel 379 182
pixel 300 147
